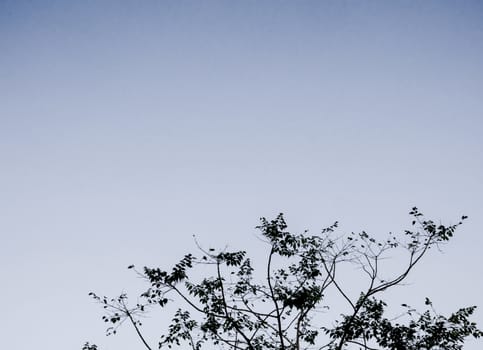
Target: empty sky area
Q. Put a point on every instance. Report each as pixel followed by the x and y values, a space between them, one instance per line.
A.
pixel 128 126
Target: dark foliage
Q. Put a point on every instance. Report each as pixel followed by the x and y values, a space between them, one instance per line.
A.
pixel 279 307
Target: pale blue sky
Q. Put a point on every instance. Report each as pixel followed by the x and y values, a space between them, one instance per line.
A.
pixel 128 126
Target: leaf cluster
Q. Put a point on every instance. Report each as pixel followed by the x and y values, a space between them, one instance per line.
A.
pixel 280 306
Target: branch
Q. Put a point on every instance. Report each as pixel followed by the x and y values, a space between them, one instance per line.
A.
pixel 226 308
pixel 279 322
pixel 136 326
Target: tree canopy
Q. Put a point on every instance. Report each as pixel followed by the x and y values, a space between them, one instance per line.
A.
pixel 285 306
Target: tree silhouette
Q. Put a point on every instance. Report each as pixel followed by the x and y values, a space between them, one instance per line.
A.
pixel 282 307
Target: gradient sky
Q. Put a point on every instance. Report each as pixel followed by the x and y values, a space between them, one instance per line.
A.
pixel 128 126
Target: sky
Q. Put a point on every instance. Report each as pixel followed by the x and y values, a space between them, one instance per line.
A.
pixel 128 126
